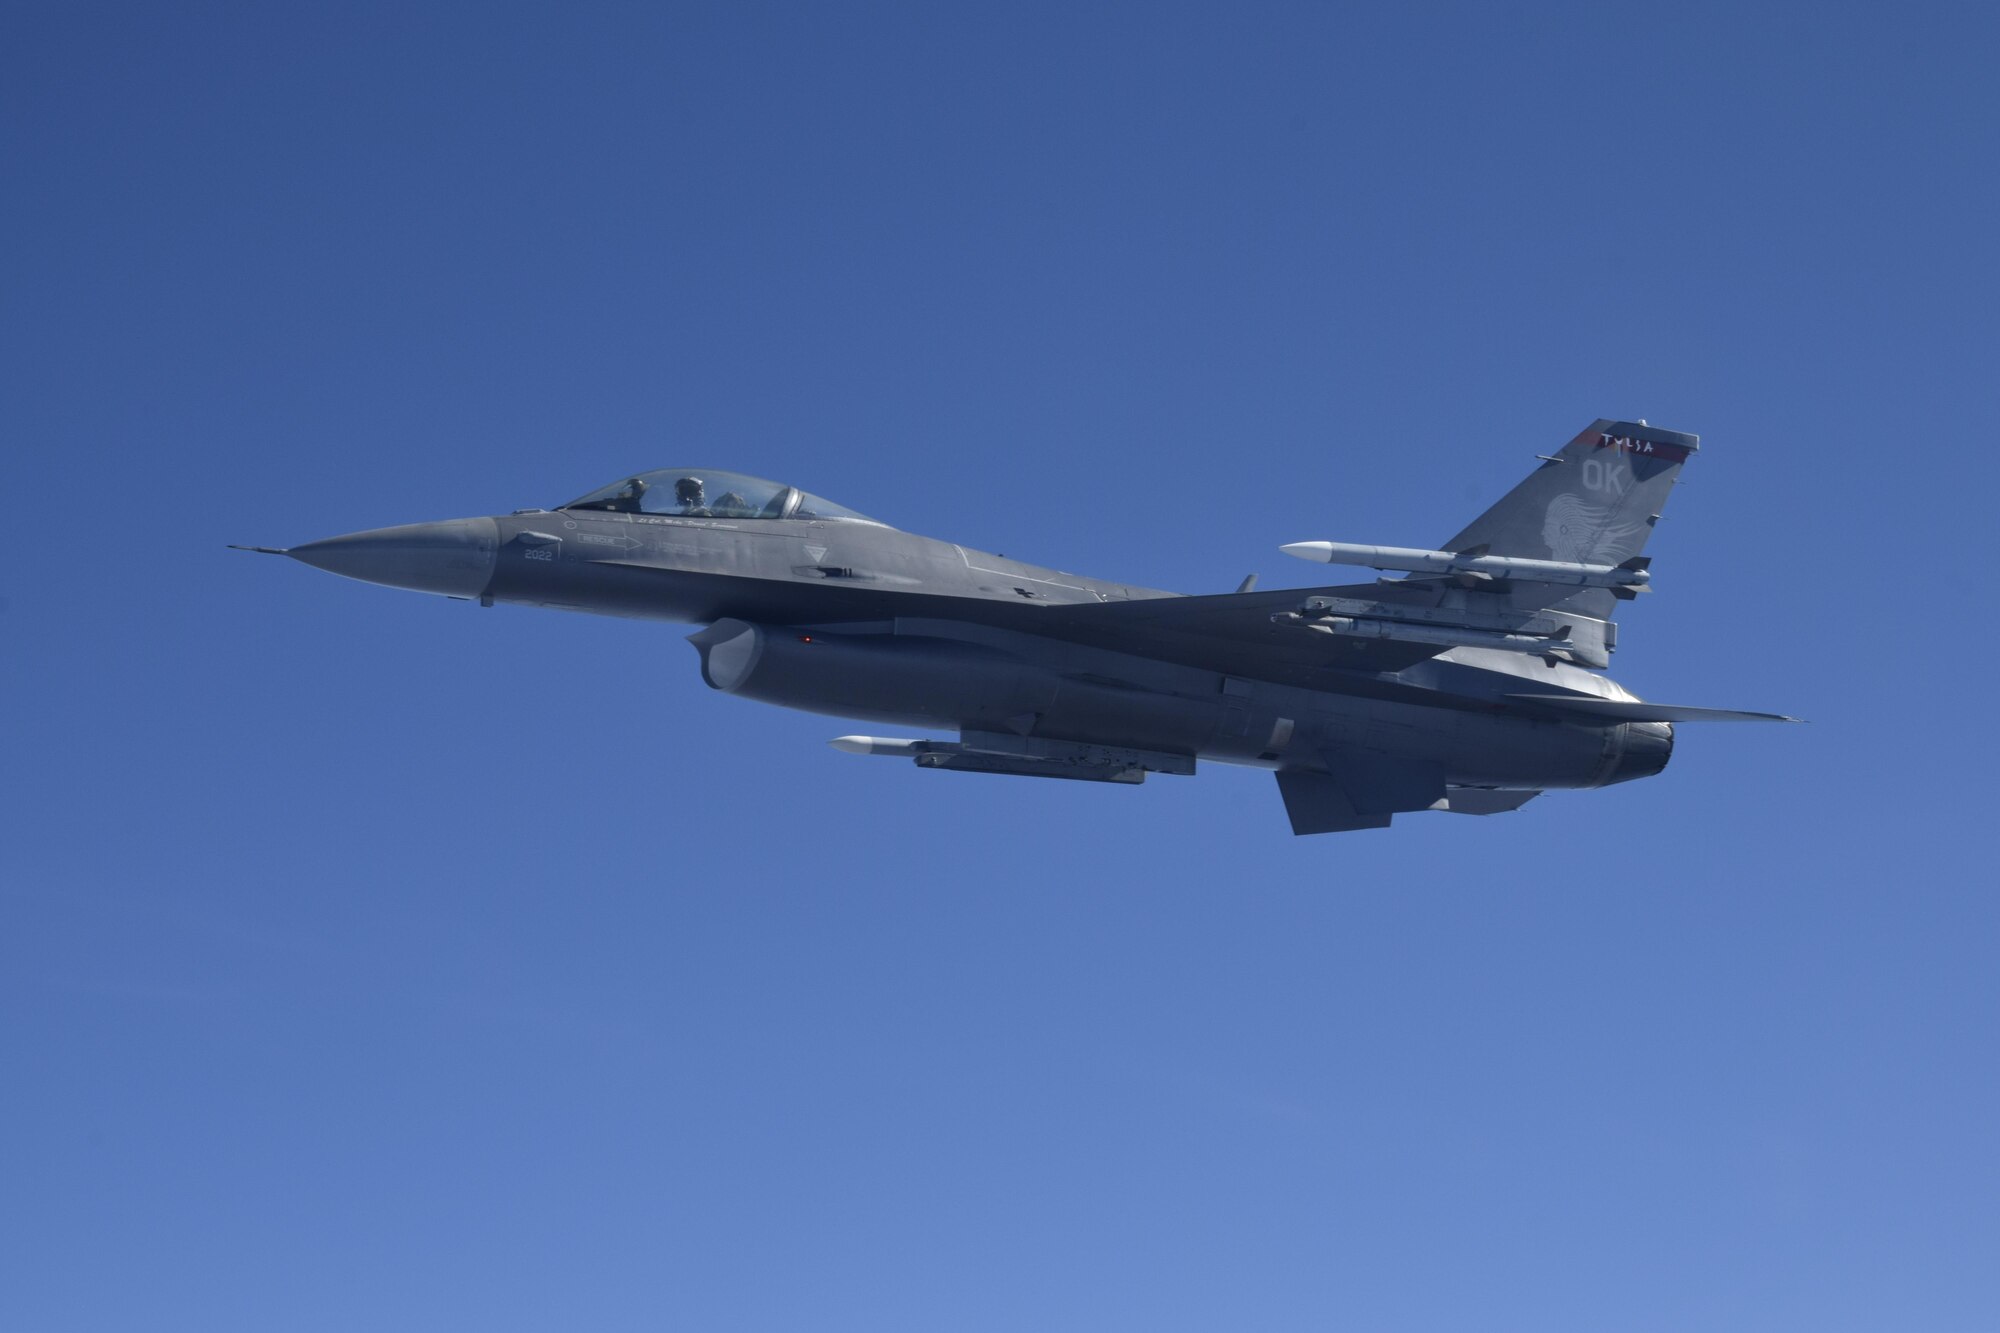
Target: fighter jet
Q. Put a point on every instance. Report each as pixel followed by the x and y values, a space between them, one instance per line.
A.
pixel 1470 684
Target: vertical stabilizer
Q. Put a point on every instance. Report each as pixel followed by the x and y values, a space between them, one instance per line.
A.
pixel 1594 502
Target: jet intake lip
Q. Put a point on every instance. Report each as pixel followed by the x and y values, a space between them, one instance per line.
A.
pixel 454 558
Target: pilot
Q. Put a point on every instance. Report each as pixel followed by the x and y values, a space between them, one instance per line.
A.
pixel 688 492
pixel 628 497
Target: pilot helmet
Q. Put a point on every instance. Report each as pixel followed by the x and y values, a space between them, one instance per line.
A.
pixel 688 490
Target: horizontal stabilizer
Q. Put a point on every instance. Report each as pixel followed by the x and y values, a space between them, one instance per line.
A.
pixel 1631 710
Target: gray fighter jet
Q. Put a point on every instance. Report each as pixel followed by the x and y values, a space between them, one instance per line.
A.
pixel 1469 685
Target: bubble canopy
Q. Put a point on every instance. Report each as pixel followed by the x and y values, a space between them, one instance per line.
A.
pixel 695 492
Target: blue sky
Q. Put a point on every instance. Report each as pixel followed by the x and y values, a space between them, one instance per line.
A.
pixel 375 960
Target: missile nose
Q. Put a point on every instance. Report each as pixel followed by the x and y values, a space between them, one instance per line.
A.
pixel 455 557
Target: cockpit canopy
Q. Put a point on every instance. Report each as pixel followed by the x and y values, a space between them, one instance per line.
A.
pixel 708 493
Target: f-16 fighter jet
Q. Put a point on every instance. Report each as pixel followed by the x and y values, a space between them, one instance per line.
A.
pixel 1470 684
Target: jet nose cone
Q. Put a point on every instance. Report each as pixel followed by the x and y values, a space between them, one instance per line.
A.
pixel 454 558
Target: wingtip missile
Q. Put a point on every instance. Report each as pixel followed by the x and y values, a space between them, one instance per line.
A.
pixel 1630 577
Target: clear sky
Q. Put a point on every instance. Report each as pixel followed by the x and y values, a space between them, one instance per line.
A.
pixel 375 961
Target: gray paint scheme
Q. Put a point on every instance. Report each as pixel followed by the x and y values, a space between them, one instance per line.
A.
pixel 1367 700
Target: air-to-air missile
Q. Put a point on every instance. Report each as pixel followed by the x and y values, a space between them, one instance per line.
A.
pixel 1629 577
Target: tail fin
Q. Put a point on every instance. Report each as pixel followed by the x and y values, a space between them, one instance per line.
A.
pixel 1594 502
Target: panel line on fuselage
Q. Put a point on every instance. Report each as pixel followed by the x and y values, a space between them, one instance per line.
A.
pixel 1024 578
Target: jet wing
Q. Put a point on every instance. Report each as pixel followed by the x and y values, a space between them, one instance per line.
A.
pixel 1232 633
pixel 1382 626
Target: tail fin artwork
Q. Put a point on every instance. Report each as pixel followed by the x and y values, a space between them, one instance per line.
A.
pixel 1593 502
